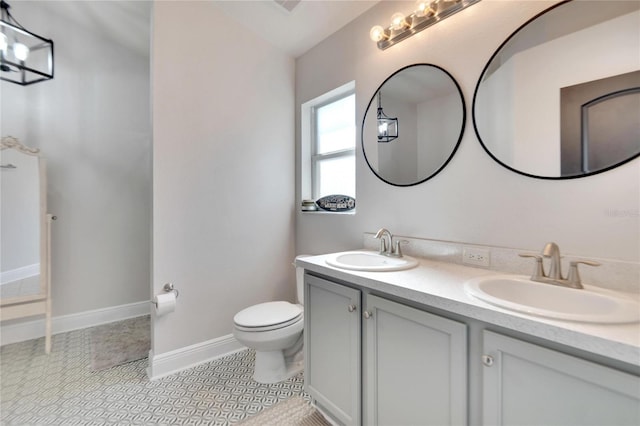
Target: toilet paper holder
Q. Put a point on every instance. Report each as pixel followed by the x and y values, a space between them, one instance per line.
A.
pixel 168 288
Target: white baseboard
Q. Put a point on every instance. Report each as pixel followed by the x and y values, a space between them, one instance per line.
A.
pixel 19 330
pixel 167 363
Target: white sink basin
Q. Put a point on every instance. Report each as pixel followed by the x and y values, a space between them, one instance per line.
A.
pixel 370 261
pixel 519 293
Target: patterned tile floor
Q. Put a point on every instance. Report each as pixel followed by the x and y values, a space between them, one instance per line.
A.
pixel 60 389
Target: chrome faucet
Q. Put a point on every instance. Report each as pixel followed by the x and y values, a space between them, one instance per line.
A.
pixel 552 251
pixel 390 249
pixel 384 248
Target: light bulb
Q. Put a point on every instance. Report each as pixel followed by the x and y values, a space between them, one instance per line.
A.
pixel 422 7
pixel 426 8
pixel 377 33
pixel 383 129
pixel 4 42
pixel 397 21
pixel 20 51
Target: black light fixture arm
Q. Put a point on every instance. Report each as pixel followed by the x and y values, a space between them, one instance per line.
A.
pixel 4 7
pixel 6 14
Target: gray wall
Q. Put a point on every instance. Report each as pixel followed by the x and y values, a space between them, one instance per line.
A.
pixel 473 200
pixel 223 166
pixel 92 123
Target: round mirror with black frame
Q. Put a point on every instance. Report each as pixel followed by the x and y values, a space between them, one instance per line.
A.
pixel 413 125
pixel 559 99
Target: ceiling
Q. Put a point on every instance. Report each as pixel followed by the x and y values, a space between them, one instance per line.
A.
pixel 125 22
pixel 295 32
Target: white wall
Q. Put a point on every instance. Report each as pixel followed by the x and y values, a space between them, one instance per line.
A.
pixel 440 133
pixel 474 199
pixel 398 159
pixel 498 90
pixel 92 124
pixel 223 171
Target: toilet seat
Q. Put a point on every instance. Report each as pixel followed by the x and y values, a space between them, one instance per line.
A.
pixel 268 316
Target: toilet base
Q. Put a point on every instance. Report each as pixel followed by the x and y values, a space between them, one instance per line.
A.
pixel 272 367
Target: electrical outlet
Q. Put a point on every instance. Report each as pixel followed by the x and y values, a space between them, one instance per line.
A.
pixel 476 256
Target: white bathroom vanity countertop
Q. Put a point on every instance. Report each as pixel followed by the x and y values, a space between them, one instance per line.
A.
pixel 440 285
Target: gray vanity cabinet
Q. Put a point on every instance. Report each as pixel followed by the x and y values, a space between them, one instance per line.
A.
pixel 332 348
pixel 526 384
pixel 413 362
pixel 414 366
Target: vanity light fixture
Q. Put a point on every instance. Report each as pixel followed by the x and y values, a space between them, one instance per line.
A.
pixel 387 126
pixel 427 13
pixel 25 57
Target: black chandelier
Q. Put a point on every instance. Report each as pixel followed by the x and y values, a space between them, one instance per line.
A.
pixel 25 57
pixel 387 126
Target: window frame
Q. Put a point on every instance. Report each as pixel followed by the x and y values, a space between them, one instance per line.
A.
pixel 316 157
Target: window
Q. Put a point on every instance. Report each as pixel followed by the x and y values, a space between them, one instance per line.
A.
pixel 329 137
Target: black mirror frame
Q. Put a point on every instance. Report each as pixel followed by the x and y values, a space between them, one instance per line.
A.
pixel 455 148
pixel 473 111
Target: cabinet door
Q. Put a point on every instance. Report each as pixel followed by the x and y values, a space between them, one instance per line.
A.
pixel 415 366
pixel 332 348
pixel 526 384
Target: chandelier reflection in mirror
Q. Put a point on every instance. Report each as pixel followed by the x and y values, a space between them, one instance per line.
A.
pixel 387 126
pixel 427 13
pixel 25 57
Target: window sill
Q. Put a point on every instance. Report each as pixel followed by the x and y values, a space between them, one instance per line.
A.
pixel 321 212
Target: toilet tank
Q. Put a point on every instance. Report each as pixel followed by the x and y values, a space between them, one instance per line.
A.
pixel 300 281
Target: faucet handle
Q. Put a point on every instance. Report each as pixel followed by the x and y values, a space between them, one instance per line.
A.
pixel 574 276
pixel 537 256
pixel 396 249
pixel 586 262
pixel 538 270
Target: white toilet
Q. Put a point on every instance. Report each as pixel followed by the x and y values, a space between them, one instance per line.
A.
pixel 274 330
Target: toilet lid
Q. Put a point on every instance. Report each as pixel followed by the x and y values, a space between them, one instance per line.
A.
pixel 268 314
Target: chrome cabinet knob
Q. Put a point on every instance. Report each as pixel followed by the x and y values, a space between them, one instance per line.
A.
pixel 367 314
pixel 351 308
pixel 487 360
